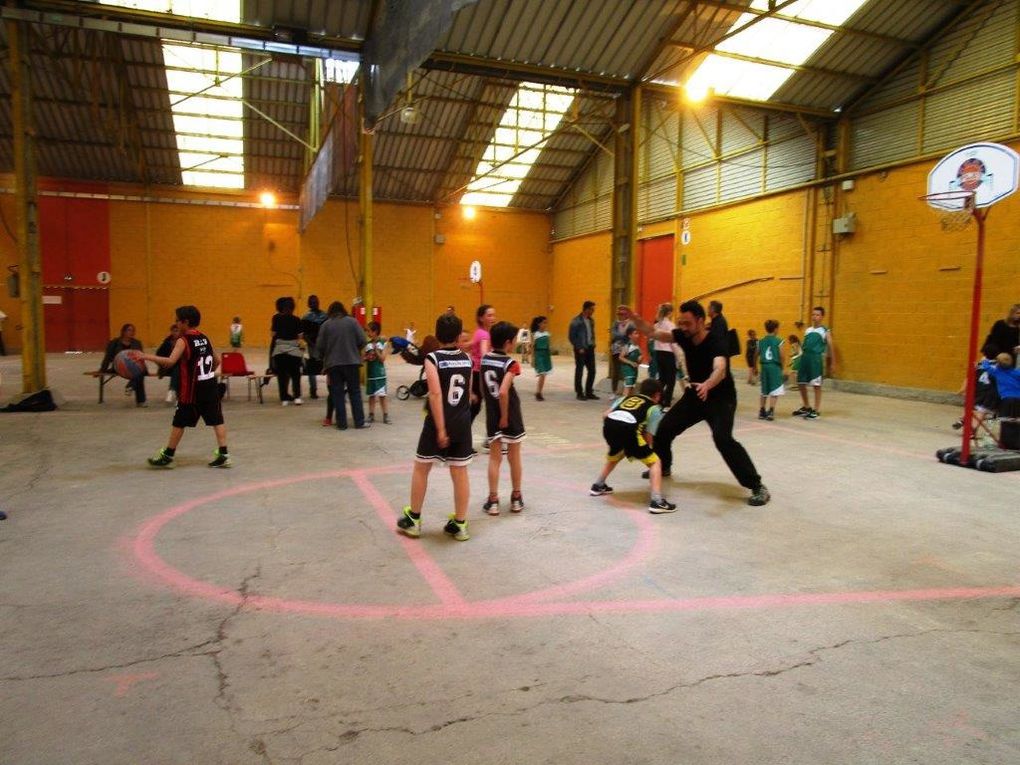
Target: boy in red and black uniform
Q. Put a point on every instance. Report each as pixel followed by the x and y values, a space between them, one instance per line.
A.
pixel 199 394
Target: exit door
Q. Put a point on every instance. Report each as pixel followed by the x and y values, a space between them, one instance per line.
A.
pixel 655 275
pixel 74 237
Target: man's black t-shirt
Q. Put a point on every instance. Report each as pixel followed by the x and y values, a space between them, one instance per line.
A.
pixel 699 363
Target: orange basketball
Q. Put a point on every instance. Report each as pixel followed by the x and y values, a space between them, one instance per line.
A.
pixel 128 364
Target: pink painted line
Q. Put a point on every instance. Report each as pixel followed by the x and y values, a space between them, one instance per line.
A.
pixel 640 553
pixel 441 584
pixel 525 609
pixel 124 682
pixel 528 605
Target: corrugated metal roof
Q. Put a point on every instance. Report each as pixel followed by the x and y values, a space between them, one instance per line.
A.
pixel 336 18
pixel 603 37
pixel 103 113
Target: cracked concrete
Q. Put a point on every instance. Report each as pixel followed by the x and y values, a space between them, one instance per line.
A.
pixel 102 661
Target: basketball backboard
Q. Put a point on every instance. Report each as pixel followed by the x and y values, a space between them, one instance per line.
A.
pixel 990 171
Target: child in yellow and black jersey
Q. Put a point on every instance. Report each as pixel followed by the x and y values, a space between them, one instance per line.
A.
pixel 629 429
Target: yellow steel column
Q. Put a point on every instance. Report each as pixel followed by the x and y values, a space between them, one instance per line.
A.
pixel 638 132
pixel 365 199
pixel 33 345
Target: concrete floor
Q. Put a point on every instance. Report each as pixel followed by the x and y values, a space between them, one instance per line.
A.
pixel 269 613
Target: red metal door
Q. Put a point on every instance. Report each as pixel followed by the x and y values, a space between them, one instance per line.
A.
pixel 74 237
pixel 655 275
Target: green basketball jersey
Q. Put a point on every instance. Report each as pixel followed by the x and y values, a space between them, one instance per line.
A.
pixel 815 340
pixel 768 349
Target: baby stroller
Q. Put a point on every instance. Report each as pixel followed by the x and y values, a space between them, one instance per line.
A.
pixel 414 354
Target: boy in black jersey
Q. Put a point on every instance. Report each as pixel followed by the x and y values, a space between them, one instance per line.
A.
pixel 446 435
pixel 504 423
pixel 198 394
pixel 629 428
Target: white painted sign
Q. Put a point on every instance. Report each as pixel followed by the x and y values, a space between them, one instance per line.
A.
pixel 475 272
pixel 52 299
pixel 990 170
pixel 103 277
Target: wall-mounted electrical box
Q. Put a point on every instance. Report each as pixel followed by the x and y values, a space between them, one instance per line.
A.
pixel 845 225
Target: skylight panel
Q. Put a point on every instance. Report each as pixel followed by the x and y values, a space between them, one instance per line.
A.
pixel 776 41
pixel 205 90
pixel 531 118
pixel 216 10
pixel 336 70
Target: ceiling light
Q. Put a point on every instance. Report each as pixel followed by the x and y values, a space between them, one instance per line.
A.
pixel 267 199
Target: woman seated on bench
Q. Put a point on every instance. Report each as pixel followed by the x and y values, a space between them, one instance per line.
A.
pixel 125 342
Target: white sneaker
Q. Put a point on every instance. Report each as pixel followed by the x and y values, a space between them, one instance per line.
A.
pixel 284 403
pixel 171 397
pixel 298 402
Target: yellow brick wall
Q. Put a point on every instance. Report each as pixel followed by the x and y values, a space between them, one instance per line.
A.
pixel 226 261
pixel 237 261
pixel 751 258
pixel 903 287
pixel 581 271
pixel 513 248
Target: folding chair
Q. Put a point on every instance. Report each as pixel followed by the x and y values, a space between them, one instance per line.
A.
pixel 233 365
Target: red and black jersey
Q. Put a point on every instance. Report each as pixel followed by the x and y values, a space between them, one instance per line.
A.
pixel 198 369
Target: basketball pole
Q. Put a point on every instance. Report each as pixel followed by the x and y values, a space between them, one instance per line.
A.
pixel 975 317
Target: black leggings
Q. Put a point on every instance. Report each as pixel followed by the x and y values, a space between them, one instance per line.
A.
pixel 718 413
pixel 666 362
pixel 288 368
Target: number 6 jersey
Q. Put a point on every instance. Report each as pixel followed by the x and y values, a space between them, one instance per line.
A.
pixel 495 367
pixel 454 368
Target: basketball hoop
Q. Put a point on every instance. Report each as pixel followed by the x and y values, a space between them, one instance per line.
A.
pixel 956 208
pixel 963 186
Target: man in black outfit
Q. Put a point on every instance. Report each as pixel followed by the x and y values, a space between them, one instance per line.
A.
pixel 719 328
pixel 712 397
pixel 582 337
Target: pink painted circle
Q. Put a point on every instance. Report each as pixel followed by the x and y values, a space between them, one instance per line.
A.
pixel 452 606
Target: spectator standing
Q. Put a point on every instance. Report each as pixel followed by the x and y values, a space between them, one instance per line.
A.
pixel 339 345
pixel 285 351
pixel 619 338
pixel 718 327
pixel 310 324
pixel 665 353
pixel 481 344
pixel 582 338
pixel 236 333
